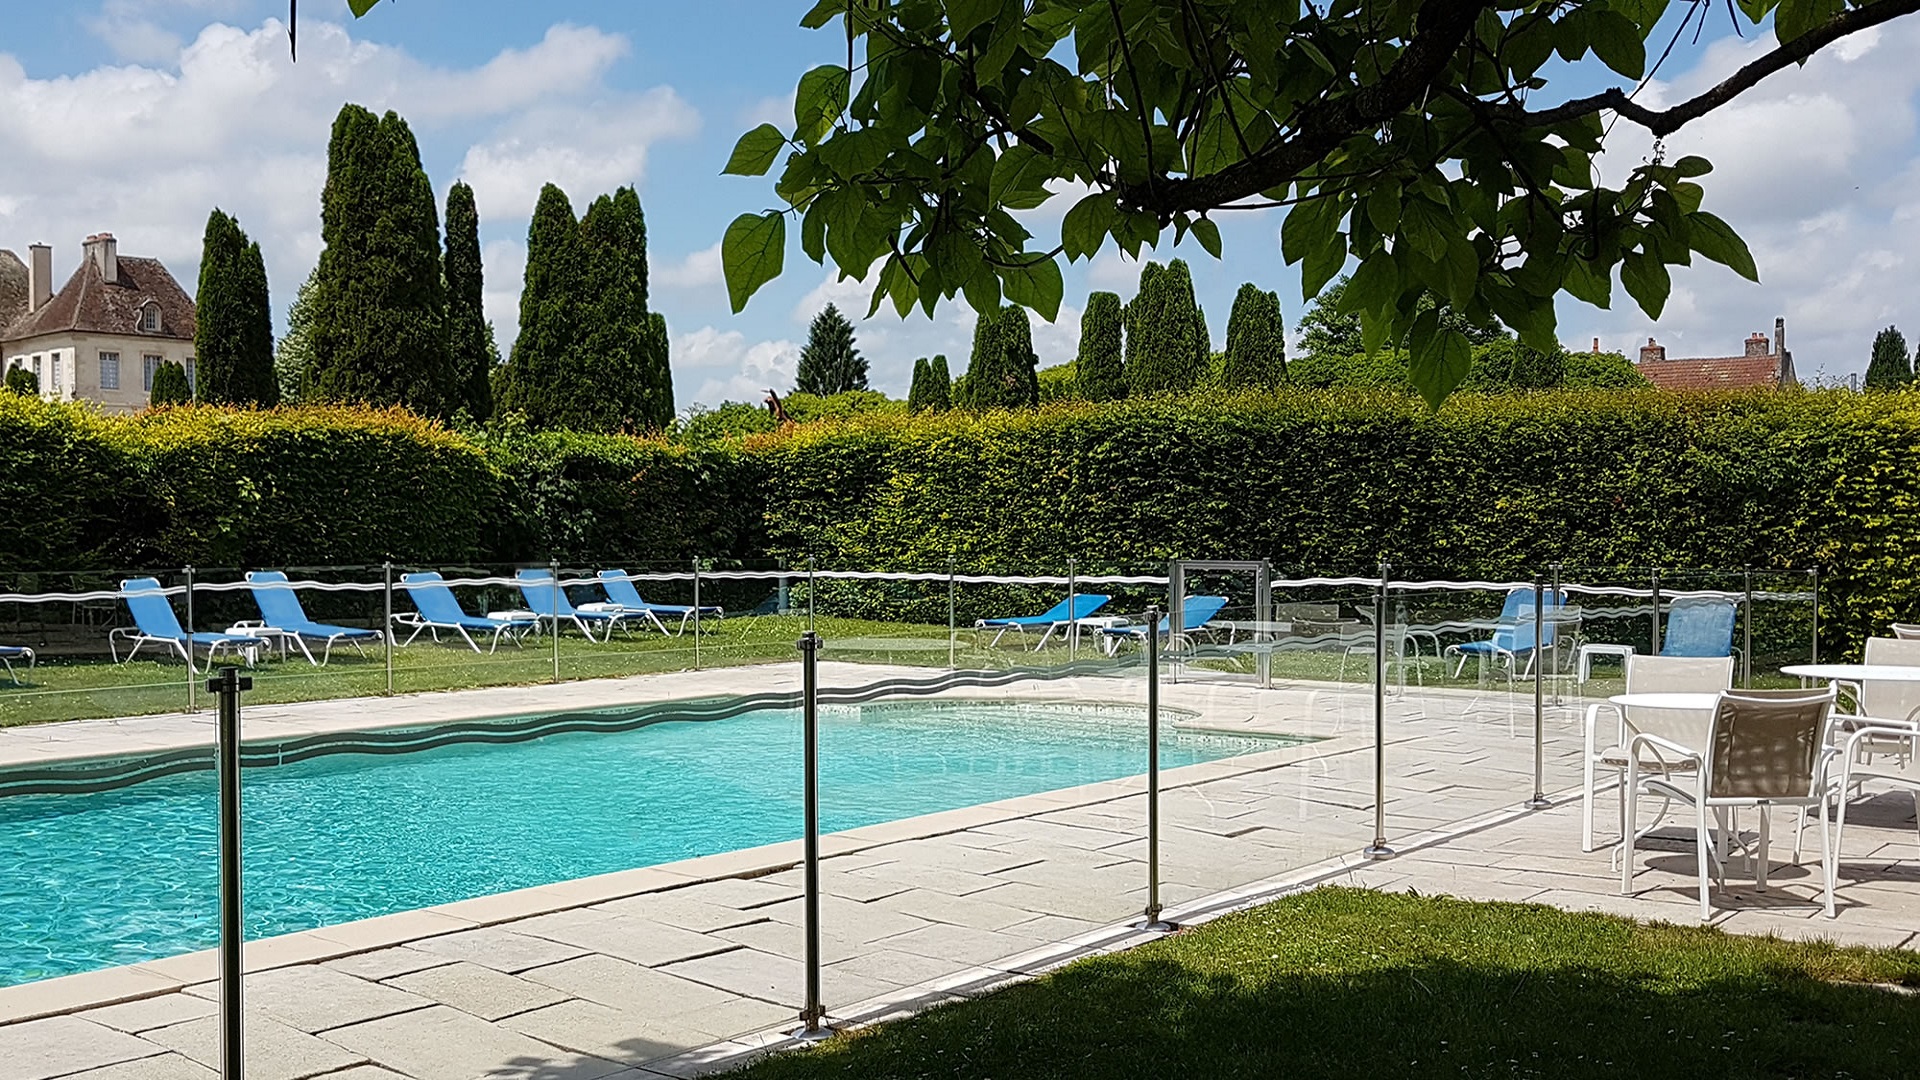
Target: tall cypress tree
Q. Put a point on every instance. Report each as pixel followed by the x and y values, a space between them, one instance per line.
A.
pixel 469 338
pixel 613 379
pixel 380 304
pixel 233 331
pixel 1256 340
pixel 1889 368
pixel 939 384
pixel 1003 373
pixel 1164 341
pixel 1097 370
pixel 829 363
pixel 917 393
pixel 660 367
pixel 550 321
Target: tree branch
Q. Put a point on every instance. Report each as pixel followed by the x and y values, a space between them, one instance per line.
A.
pixel 1321 127
pixel 1663 122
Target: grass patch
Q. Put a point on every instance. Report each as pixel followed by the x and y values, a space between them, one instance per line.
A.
pixel 1351 983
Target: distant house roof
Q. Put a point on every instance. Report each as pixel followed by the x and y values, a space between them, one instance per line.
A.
pixel 87 303
pixel 1714 373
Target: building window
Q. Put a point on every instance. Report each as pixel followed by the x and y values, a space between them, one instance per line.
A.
pixel 109 371
pixel 150 319
pixel 148 365
pixel 39 373
pixel 193 380
pixel 55 357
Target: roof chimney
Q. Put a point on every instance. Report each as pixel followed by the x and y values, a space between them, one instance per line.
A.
pixel 103 251
pixel 1652 352
pixel 1780 337
pixel 1757 345
pixel 1596 346
pixel 39 276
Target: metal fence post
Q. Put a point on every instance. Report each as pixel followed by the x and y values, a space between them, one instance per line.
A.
pixel 1815 574
pixel 813 1014
pixel 810 591
pixel 1073 624
pixel 1379 849
pixel 1746 653
pixel 1656 611
pixel 553 609
pixel 227 685
pixel 1559 624
pixel 1539 800
pixel 191 673
pixel 780 592
pixel 696 614
pixel 1176 606
pixel 386 628
pixel 953 623
pixel 1153 920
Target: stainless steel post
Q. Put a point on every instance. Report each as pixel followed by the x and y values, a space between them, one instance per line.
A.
pixel 1656 611
pixel 1073 624
pixel 1262 618
pixel 813 1014
pixel 227 685
pixel 1746 652
pixel 386 628
pixel 191 673
pixel 1815 574
pixel 810 591
pixel 780 593
pixel 1379 849
pixel 1176 606
pixel 1559 625
pixel 553 571
pixel 696 614
pixel 1153 921
pixel 953 623
pixel 1539 800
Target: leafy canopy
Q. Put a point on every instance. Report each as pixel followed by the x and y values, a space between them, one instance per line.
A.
pixel 1422 142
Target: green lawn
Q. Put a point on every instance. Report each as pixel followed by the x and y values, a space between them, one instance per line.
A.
pixel 1349 983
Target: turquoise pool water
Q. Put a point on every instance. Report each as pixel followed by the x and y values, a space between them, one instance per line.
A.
pixel 121 876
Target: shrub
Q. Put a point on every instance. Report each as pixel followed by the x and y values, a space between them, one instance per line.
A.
pixel 170 386
pixel 1256 353
pixel 1058 383
pixel 22 381
pixel 931 390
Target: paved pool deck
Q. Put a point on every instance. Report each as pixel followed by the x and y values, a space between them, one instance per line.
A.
pixel 684 968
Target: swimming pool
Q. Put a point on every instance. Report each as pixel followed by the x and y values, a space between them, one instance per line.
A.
pixel 127 874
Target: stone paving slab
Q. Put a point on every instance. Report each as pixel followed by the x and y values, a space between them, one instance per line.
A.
pixel 147 1014
pixel 273 1050
pixel 483 992
pixel 443 1043
pixel 59 1045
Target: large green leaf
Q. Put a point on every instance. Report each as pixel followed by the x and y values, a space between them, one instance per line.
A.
pixel 1439 359
pixel 821 99
pixel 754 154
pixel 965 16
pixel 752 254
pixel 1617 42
pixel 1645 278
pixel 1035 284
pixel 1716 240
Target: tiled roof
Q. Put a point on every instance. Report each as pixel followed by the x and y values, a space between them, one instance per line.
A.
pixel 1713 373
pixel 88 304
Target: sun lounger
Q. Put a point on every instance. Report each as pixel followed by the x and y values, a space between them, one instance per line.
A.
pixel 1061 616
pixel 438 609
pixel 280 610
pixel 155 623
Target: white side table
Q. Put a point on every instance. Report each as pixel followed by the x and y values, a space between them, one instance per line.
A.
pixel 1600 648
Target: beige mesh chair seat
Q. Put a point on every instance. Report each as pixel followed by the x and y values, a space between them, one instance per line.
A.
pixel 1606 744
pixel 1765 748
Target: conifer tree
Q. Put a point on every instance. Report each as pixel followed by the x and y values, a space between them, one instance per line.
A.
pixel 469 337
pixel 1256 340
pixel 1889 368
pixel 614 383
pixel 917 391
pixel 233 321
pixel 829 363
pixel 1003 371
pixel 550 320
pixel 1164 343
pixel 294 355
pixel 170 386
pixel 939 384
pixel 1098 374
pixel 380 305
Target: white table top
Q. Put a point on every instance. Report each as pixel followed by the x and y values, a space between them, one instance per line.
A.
pixel 1677 702
pixel 1854 672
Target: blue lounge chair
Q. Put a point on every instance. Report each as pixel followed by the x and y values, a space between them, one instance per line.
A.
pixel 1061 616
pixel 10 653
pixel 626 598
pixel 1195 614
pixel 154 622
pixel 550 605
pixel 1514 633
pixel 1702 628
pixel 280 610
pixel 439 609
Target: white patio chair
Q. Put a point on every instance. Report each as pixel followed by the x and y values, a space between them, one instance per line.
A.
pixel 1882 753
pixel 1646 675
pixel 1765 749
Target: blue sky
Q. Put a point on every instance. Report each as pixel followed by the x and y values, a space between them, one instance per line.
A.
pixel 137 116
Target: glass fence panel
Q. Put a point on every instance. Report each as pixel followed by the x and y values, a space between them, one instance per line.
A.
pixel 73 652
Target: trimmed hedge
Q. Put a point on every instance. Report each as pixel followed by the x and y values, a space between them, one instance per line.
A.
pixel 1313 480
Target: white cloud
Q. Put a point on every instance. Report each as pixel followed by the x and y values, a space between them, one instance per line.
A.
pixel 699 270
pixel 227 119
pixel 777 111
pixel 721 365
